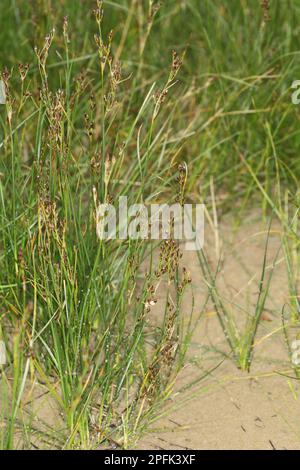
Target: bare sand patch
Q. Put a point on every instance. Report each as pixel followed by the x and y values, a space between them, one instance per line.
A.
pixel 231 409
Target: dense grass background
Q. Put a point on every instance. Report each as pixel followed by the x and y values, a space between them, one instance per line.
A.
pixel 235 64
pixel 74 310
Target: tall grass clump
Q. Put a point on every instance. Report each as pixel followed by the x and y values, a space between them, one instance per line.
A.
pixel 76 311
pixel 291 310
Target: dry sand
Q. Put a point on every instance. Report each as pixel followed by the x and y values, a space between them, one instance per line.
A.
pixel 231 409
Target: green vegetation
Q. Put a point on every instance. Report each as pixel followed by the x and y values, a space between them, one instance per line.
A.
pixel 108 99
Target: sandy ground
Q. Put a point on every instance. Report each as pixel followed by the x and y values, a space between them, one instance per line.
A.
pixel 231 409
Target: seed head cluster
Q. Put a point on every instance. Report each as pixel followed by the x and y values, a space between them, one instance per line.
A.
pixel 266 10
